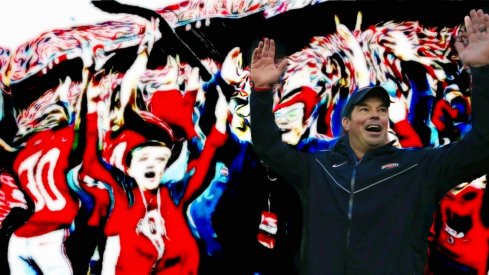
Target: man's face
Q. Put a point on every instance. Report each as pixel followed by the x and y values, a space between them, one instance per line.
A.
pixel 290 122
pixel 368 124
pixel 148 165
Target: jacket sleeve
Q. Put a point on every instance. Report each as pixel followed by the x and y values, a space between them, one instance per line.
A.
pixel 468 158
pixel 282 158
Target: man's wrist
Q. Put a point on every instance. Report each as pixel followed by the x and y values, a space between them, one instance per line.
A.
pixel 260 87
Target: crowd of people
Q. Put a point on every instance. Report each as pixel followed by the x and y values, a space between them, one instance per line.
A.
pixel 155 171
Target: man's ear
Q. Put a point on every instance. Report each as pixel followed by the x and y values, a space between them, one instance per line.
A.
pixel 345 122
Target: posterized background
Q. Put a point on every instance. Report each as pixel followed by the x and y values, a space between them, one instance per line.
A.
pixel 334 47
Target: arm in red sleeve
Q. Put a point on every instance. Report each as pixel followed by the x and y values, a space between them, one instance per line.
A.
pixel 91 165
pixel 202 164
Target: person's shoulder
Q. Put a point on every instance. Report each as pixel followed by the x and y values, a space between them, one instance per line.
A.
pixel 413 149
pixel 412 152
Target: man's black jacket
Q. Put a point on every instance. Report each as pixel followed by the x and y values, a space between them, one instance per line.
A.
pixel 372 216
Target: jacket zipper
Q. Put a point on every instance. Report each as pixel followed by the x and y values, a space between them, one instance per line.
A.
pixel 350 210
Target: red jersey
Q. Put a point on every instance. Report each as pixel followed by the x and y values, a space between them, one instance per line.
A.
pixel 175 108
pixel 140 238
pixel 94 178
pixel 152 232
pixel 152 235
pixel 41 167
pixel 182 254
pixel 463 237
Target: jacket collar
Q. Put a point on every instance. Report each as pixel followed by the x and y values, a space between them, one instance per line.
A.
pixel 343 147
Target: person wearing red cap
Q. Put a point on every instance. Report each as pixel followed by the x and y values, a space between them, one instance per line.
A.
pixel 292 114
pixel 368 205
pixel 128 218
pixel 142 223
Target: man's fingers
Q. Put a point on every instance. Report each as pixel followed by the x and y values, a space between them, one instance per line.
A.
pixel 255 56
pixel 272 49
pixel 266 47
pixel 468 24
pixel 257 52
pixel 485 22
pixel 481 26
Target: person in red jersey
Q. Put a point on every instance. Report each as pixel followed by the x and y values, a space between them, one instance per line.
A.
pixel 147 233
pixel 41 164
pixel 147 228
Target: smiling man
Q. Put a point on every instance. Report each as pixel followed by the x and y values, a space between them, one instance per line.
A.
pixel 366 119
pixel 368 205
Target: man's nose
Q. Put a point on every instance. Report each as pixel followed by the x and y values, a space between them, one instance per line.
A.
pixel 374 114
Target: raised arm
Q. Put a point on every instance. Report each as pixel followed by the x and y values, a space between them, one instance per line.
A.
pixel 473 49
pixel 470 155
pixel 92 161
pixel 265 135
pixel 130 80
pixel 264 71
pixel 472 44
pixel 216 138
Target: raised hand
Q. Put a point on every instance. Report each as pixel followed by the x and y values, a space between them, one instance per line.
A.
pixel 472 44
pixel 264 71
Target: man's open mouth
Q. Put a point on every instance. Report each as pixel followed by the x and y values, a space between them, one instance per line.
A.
pixel 373 128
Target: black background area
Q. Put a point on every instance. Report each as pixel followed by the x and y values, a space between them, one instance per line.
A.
pixel 293 29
